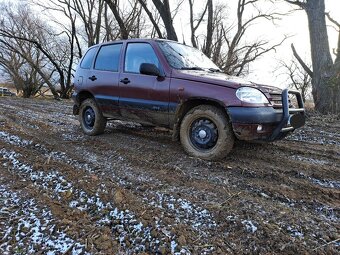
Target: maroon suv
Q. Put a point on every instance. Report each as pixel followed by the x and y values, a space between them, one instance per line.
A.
pixel 168 84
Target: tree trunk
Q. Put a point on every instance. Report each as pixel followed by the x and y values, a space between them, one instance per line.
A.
pixel 324 79
pixel 152 19
pixel 164 10
pixel 113 5
pixel 210 28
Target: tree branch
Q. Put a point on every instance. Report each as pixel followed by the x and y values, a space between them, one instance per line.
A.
pixel 298 3
pixel 332 20
pixel 302 63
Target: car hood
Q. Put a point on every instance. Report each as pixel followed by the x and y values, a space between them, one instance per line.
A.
pixel 221 79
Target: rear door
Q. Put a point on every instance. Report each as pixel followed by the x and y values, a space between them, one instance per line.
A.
pixel 83 70
pixel 103 79
pixel 143 98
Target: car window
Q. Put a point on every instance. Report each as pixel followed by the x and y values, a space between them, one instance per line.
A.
pixel 108 57
pixel 88 58
pixel 138 53
pixel 181 56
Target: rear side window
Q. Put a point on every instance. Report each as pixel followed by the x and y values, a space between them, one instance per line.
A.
pixel 88 58
pixel 138 53
pixel 108 58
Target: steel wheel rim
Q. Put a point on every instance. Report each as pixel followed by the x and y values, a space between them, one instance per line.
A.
pixel 203 134
pixel 89 117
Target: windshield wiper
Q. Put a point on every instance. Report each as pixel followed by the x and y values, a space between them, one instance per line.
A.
pixel 215 70
pixel 192 68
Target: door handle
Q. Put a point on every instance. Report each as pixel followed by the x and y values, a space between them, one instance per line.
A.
pixel 125 80
pixel 93 78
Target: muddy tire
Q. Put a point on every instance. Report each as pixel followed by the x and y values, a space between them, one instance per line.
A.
pixel 91 118
pixel 206 133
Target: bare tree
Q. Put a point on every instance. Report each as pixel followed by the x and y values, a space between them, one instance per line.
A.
pixel 114 6
pixel 153 18
pixel 297 77
pixel 163 8
pixel 210 29
pixel 88 13
pixel 67 58
pixel 128 18
pixel 196 22
pixel 227 45
pixel 24 78
pixel 23 26
pixel 336 51
pixel 326 72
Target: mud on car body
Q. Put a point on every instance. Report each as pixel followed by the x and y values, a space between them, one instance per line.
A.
pixel 165 83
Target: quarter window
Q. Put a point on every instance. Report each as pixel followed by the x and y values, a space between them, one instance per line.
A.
pixel 88 58
pixel 108 58
pixel 138 53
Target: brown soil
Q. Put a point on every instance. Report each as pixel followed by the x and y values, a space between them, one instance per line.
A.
pixel 133 190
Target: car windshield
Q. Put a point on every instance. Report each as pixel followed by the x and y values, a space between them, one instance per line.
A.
pixel 184 57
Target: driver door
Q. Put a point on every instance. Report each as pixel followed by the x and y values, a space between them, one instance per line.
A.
pixel 143 98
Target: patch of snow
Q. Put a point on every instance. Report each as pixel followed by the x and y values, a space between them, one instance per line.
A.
pixel 262 194
pixel 324 183
pixel 250 226
pixel 328 212
pixel 71 137
pixel 32 225
pixel 186 212
pixel 294 232
pixel 318 137
pixel 14 140
pixel 310 160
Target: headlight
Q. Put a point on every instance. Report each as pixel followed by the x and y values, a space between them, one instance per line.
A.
pixel 251 95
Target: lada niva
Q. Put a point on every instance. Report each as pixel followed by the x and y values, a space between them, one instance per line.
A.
pixel 165 83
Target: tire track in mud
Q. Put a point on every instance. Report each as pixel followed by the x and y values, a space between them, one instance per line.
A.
pixel 126 228
pixel 123 153
pixel 186 212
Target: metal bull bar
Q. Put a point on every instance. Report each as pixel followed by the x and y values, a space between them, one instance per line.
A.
pixel 292 118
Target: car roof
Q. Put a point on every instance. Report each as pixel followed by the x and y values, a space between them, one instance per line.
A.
pixel 134 40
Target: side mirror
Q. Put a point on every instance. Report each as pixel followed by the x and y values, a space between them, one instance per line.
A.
pixel 149 69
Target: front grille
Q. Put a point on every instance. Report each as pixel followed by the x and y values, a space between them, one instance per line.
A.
pixel 276 100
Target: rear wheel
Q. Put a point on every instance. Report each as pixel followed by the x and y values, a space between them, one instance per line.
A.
pixel 91 118
pixel 206 133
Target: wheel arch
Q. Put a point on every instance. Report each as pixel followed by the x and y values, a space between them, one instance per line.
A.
pixel 83 95
pixel 187 105
pixel 79 98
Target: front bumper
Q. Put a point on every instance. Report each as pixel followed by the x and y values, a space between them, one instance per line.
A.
pixel 267 123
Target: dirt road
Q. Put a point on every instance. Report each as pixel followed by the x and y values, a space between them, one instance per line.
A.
pixel 133 190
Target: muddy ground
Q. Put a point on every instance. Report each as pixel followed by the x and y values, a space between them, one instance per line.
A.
pixel 133 190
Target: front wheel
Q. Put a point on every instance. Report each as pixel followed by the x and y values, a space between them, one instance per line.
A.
pixel 91 119
pixel 206 133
